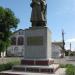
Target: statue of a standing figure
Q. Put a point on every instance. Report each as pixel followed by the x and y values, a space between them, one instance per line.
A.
pixel 38 16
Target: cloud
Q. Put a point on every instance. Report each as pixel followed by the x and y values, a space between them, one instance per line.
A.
pixel 71 40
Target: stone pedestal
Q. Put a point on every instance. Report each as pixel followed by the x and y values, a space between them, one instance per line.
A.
pixel 37 43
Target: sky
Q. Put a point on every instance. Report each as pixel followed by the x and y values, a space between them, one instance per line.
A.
pixel 60 16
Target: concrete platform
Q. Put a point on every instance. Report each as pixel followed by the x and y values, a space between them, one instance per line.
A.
pixel 31 66
pixel 60 71
pixel 23 69
pixel 42 69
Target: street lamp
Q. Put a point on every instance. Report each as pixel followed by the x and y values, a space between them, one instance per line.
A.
pixel 63 48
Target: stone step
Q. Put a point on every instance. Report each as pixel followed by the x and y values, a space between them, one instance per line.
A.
pixel 43 69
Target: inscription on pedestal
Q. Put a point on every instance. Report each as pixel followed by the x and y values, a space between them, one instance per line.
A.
pixel 35 40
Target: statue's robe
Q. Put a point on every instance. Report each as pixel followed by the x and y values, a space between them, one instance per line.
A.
pixel 37 12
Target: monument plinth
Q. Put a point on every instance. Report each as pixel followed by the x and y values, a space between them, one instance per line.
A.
pixel 37 43
pixel 37 56
pixel 38 37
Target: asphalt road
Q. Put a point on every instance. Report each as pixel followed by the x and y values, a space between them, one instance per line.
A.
pixel 65 60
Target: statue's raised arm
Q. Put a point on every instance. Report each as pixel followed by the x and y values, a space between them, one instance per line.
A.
pixel 38 16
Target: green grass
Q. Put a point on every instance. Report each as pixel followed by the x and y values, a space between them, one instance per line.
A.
pixel 9 59
pixel 8 66
pixel 70 69
pixel 65 65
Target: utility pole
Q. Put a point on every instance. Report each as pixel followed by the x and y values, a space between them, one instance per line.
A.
pixel 70 46
pixel 63 48
pixel 70 49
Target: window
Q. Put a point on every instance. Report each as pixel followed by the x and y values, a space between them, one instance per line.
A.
pixel 21 33
pixel 21 41
pixel 13 41
pixel 16 49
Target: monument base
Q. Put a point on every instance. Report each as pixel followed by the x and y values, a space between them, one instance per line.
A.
pixel 51 69
pixel 41 62
pixel 34 66
pixel 39 69
pixel 39 66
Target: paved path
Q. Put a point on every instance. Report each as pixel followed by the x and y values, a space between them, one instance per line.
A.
pixel 64 61
pixel 61 71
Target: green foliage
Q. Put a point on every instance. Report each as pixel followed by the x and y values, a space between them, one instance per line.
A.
pixel 65 65
pixel 8 21
pixel 71 54
pixel 62 66
pixel 70 70
pixel 7 66
pixel 66 53
pixel 2 45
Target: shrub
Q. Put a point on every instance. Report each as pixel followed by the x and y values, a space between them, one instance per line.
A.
pixel 65 65
pixel 7 66
pixel 62 66
pixel 70 70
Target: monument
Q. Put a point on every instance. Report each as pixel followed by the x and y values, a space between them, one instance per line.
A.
pixel 38 36
pixel 37 56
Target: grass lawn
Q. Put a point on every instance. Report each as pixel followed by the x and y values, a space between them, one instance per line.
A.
pixel 9 59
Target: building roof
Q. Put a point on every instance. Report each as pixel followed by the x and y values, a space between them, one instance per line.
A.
pixel 18 31
pixel 57 43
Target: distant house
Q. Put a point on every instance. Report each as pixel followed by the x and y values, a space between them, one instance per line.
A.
pixel 56 49
pixel 17 45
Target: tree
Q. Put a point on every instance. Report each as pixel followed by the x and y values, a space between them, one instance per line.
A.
pixel 8 21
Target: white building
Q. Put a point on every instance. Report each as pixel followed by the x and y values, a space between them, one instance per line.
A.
pixel 17 45
pixel 56 49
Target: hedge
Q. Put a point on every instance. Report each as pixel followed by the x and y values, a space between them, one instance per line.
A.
pixel 70 70
pixel 7 66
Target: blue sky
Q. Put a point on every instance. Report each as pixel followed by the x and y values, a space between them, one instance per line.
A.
pixel 60 15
